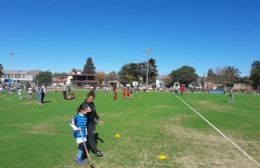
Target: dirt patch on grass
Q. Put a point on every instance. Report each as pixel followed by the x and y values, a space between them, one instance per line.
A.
pixel 215 107
pixel 161 106
pixel 252 147
pixel 43 128
pixel 199 149
pixel 24 125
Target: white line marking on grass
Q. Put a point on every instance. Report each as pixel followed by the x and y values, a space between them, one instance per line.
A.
pixel 221 133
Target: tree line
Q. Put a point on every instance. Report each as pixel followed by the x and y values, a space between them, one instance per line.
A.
pixel 130 72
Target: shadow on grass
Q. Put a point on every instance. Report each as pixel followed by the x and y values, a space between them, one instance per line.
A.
pixel 47 101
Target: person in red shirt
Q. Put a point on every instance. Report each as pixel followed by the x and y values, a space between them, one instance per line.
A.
pixel 182 89
pixel 115 93
pixel 129 93
pixel 124 93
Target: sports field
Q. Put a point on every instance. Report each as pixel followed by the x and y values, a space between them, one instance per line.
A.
pixel 34 136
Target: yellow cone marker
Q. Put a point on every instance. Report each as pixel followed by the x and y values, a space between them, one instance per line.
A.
pixel 162 157
pixel 117 135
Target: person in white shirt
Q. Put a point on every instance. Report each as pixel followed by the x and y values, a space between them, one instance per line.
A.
pixel 30 90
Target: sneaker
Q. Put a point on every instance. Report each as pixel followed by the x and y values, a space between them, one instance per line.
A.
pixel 79 161
pixel 99 154
pixel 84 161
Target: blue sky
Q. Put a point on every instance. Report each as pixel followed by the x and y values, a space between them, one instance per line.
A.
pixel 59 35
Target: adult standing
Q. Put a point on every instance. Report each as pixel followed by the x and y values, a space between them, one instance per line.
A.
pixel 43 93
pixel 30 91
pixel 182 88
pixel 38 94
pixel 64 91
pixel 93 119
pixel 231 96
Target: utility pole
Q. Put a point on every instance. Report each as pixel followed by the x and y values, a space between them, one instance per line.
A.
pixel 148 52
pixel 204 81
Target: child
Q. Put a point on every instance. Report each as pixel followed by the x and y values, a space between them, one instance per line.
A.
pixel 124 93
pixel 115 93
pixel 78 124
pixel 129 93
pixel 19 92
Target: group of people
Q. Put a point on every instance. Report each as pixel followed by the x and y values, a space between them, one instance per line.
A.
pixel 84 125
pixel 126 93
pixel 29 90
pixel 24 90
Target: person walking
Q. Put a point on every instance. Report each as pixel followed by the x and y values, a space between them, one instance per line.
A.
pixel 78 124
pixel 93 119
pixel 43 93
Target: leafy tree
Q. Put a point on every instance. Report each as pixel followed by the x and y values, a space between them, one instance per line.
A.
pixel 255 75
pixel 133 71
pixel 57 74
pixel 230 75
pixel 141 71
pixel 112 76
pixel 100 77
pixel 168 81
pixel 74 71
pixel 1 70
pixel 89 67
pixel 245 79
pixel 215 76
pixel 185 74
pixel 153 72
pixel 44 78
pixel 212 76
pixel 125 74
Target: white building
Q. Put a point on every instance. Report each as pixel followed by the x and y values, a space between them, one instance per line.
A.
pixel 20 75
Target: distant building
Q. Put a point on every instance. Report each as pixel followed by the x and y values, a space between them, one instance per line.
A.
pixel 242 87
pixel 76 78
pixel 59 80
pixel 20 75
pixel 212 85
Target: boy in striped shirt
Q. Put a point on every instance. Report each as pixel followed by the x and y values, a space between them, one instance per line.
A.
pixel 78 124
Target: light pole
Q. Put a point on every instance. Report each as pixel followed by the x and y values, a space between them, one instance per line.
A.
pixel 148 52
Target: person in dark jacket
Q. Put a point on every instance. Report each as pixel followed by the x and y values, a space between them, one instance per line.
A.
pixel 93 119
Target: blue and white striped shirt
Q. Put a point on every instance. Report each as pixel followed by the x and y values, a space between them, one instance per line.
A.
pixel 80 121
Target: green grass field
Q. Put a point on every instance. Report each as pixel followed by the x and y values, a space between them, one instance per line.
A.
pixel 151 124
